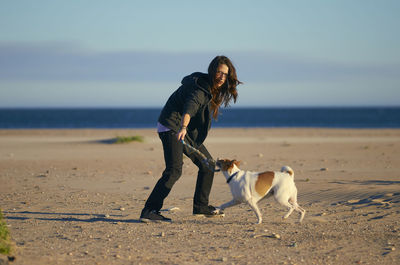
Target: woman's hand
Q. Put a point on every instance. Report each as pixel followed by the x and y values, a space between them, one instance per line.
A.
pixel 181 134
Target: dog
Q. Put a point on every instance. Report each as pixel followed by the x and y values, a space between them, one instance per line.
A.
pixel 250 187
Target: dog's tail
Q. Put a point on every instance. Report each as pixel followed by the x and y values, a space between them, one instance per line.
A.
pixel 288 170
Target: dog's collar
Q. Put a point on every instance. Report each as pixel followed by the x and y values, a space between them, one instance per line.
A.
pixel 231 177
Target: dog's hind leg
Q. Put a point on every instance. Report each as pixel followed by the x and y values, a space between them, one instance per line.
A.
pixel 293 206
pixel 296 206
pixel 254 206
pixel 300 210
pixel 285 202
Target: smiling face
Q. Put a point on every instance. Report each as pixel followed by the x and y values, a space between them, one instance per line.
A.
pixel 221 75
pixel 227 165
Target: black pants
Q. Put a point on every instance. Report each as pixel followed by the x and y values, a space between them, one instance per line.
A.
pixel 173 155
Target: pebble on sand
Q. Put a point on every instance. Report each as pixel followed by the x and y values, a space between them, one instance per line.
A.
pixel 276 236
pixel 173 209
pixel 353 201
pixel 273 235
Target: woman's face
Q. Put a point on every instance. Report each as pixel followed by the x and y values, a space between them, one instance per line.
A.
pixel 221 75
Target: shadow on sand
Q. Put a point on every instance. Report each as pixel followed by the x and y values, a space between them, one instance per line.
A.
pixel 368 182
pixel 106 141
pixel 67 217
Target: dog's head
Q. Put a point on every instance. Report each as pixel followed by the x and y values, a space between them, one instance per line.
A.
pixel 227 165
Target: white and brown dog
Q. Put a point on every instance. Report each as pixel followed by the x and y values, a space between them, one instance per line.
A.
pixel 251 187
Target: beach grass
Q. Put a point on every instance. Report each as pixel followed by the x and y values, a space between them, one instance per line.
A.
pixel 5 239
pixel 128 139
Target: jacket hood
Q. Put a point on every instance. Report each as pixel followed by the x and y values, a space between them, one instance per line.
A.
pixel 198 79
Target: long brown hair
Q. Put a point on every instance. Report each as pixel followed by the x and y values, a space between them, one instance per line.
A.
pixel 228 91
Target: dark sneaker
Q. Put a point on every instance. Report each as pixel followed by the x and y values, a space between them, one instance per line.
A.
pixel 152 216
pixel 209 211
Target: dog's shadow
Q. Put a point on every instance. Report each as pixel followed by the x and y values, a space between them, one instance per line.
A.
pixel 68 217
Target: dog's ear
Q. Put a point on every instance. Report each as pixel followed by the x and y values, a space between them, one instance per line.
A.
pixel 237 163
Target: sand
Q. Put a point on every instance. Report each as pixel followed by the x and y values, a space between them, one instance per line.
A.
pixel 71 197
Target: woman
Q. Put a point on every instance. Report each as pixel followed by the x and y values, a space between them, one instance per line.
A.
pixel 187 116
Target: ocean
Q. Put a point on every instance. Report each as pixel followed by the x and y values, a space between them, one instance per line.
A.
pixel 113 118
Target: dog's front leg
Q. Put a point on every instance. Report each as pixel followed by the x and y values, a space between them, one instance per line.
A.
pixel 255 208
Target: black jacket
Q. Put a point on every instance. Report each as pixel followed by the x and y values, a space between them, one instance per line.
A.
pixel 192 97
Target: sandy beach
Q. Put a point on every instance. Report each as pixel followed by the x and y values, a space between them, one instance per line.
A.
pixel 71 197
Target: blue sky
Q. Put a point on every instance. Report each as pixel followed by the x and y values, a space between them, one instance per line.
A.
pixel 135 53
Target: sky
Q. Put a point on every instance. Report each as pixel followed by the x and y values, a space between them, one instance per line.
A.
pixel 129 53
